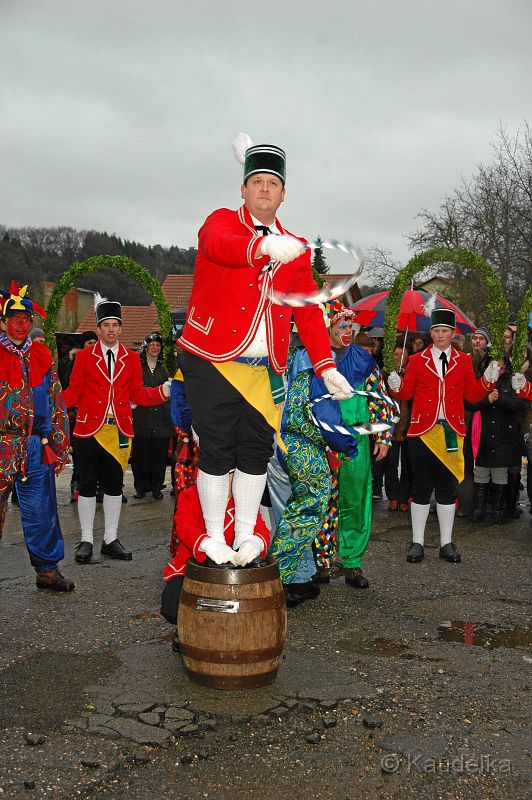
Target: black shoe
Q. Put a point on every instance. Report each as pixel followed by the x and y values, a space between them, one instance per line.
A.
pixel 158 495
pixel 54 580
pixel 291 599
pixel 175 643
pixel 356 578
pixel 308 590
pixel 323 575
pixel 297 593
pixel 139 495
pixel 415 553
pixel 83 553
pixel 116 550
pixel 124 498
pixel 450 553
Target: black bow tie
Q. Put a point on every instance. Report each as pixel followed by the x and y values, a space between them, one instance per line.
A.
pixel 263 229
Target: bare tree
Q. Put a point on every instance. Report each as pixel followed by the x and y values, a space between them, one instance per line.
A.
pixel 490 214
pixel 380 269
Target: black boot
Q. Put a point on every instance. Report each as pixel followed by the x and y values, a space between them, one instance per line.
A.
pixel 512 511
pixel 498 502
pixel 480 498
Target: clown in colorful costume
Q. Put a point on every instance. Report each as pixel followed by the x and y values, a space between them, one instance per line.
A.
pixel 33 436
pixel 311 432
pixel 438 379
pixel 235 340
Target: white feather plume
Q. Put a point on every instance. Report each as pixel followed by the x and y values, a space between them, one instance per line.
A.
pixel 240 144
pixel 99 299
pixel 430 305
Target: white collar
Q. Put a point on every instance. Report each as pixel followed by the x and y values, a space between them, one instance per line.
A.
pixel 106 347
pixel 273 227
pixel 438 353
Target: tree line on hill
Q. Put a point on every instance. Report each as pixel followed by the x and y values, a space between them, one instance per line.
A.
pixel 35 255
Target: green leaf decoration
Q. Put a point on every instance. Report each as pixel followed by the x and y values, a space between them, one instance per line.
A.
pixel 129 267
pixel 498 310
pixel 521 336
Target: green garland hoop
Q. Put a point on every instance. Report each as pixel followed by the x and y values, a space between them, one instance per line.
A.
pixel 521 336
pixel 82 268
pixel 498 310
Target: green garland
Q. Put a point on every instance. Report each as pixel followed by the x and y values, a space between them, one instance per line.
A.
pixel 82 268
pixel 521 336
pixel 498 310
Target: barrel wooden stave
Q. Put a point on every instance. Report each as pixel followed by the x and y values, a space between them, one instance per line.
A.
pixel 232 650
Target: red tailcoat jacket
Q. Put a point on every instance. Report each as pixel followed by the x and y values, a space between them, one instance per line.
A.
pixel 226 304
pixel 423 383
pixel 190 527
pixel 93 393
pixel 526 392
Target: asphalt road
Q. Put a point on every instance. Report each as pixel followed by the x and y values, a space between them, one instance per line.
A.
pixel 418 687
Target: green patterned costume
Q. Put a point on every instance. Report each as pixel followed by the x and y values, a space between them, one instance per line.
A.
pixel 310 513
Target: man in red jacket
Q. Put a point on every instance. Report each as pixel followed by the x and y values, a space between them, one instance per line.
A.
pixel 105 380
pixel 235 340
pixel 438 379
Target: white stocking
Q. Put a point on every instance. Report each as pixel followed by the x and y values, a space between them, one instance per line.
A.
pixel 446 519
pixel 112 506
pixel 213 493
pixel 86 512
pixel 419 520
pixel 247 494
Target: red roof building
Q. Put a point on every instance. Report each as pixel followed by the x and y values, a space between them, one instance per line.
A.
pixel 138 321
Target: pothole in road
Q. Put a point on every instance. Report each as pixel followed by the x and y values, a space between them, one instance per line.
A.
pixel 483 634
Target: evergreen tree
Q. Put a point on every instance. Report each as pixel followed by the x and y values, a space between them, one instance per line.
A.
pixel 319 263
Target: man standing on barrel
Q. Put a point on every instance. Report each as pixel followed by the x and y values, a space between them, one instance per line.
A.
pixel 235 342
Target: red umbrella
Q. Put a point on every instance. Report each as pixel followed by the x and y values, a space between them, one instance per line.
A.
pixel 370 312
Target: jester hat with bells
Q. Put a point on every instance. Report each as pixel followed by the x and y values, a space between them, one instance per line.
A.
pixel 16 301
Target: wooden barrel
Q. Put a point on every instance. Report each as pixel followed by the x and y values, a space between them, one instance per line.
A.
pixel 232 625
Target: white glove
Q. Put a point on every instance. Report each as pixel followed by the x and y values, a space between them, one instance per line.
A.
pixel 491 373
pixel 337 385
pixel 219 552
pixel 394 381
pixel 518 381
pixel 282 248
pixel 166 387
pixel 249 549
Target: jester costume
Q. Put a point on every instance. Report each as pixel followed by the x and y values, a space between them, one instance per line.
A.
pixel 33 438
pixel 328 463
pixel 186 452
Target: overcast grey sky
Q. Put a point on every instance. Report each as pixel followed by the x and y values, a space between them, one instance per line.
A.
pixel 117 115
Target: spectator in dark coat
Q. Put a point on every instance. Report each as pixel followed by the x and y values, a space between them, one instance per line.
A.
pixel 499 448
pixel 152 424
pixel 527 426
pixel 398 487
